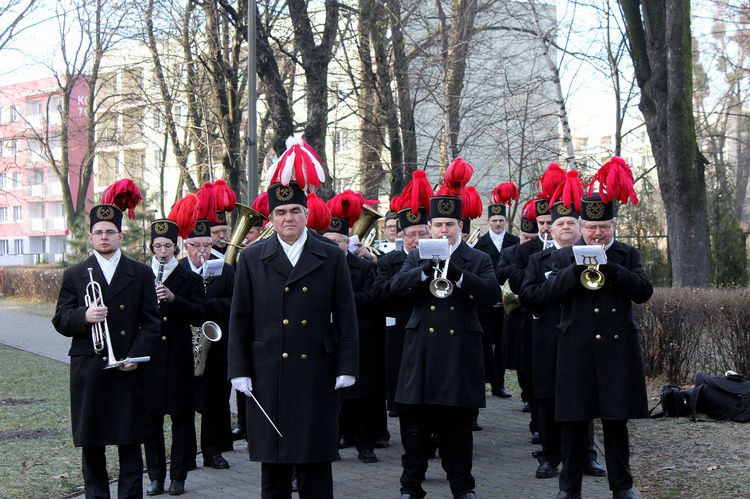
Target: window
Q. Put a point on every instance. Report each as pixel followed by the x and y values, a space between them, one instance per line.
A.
pixel 9 148
pixel 18 246
pixel 4 181
pixel 36 176
pixel 17 213
pixel 17 180
pixel 3 247
pixel 13 114
pixel 3 214
pixel 341 141
pixel 35 151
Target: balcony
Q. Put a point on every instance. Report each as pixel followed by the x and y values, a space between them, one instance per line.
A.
pixel 37 191
pixel 53 224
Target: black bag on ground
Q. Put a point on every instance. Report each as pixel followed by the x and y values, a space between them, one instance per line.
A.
pixel 674 401
pixel 722 397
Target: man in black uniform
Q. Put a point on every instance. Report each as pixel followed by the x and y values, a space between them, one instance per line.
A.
pixel 599 362
pixel 442 370
pixel 492 243
pixel 293 343
pixel 360 406
pixel 109 406
pixel 170 371
pixel 212 390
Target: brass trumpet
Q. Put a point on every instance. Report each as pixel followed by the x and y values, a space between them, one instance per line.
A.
pixel 474 237
pixel 440 286
pixel 592 278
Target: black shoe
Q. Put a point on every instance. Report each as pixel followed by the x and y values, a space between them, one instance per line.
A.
pixel 568 495
pixel 216 462
pixel 475 426
pixel 535 438
pixel 295 486
pixel 526 407
pixel 382 443
pixel 177 488
pixel 538 452
pixel 592 468
pixel 192 465
pixel 625 494
pixel 392 414
pixel 408 496
pixel 345 443
pixel 546 470
pixel 238 433
pixel 156 488
pixel 467 495
pixel 367 456
pixel 501 392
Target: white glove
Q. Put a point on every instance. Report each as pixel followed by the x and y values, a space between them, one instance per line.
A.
pixel 344 381
pixel 243 385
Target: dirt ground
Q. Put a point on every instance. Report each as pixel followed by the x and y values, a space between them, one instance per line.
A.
pixel 676 457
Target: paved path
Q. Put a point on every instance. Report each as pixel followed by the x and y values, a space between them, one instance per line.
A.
pixel 503 466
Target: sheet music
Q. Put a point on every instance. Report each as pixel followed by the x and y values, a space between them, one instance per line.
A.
pixel 590 255
pixel 430 249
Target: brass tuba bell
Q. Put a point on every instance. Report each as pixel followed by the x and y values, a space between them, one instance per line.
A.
pixel 367 219
pixel 247 217
pixel 510 300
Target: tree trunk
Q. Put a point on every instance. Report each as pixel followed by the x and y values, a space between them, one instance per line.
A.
pixel 661 50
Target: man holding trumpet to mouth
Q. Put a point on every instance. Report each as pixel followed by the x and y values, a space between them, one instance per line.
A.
pixel 441 381
pixel 108 406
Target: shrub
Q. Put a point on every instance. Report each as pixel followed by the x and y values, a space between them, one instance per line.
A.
pixel 35 282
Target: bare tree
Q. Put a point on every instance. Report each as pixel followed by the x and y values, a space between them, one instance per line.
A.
pixel 12 15
pixel 660 46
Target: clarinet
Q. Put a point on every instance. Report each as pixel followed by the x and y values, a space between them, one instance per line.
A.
pixel 160 275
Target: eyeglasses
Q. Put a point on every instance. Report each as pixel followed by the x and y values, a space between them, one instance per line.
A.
pixel 198 245
pixel 421 234
pixel 100 233
pixel 602 228
pixel 167 246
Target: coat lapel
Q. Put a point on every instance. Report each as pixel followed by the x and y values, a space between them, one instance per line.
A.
pixel 311 258
pixel 96 270
pixel 124 275
pixel 273 255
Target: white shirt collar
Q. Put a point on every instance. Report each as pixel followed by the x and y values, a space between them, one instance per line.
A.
pixel 108 266
pixel 293 251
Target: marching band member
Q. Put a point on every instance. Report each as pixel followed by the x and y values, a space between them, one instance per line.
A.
pixel 109 406
pixel 170 372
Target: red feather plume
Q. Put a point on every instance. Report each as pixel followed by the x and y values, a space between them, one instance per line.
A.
pixel 347 204
pixel 185 213
pixel 456 177
pixel 299 163
pixel 224 196
pixel 615 182
pixel 551 180
pixel 570 191
pixel 319 217
pixel 471 203
pixel 261 206
pixel 417 192
pixel 207 202
pixel 124 194
pixel 395 204
pixel 529 209
pixel 505 193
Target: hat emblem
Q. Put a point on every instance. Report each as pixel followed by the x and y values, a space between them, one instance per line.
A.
pixel 496 209
pixel 563 210
pixel 284 193
pixel 200 229
pixel 544 206
pixel 221 217
pixel 595 211
pixel 413 217
pixel 446 206
pixel 161 228
pixel 335 224
pixel 105 213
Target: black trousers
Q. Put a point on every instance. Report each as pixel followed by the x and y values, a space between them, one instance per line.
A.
pixel 154 447
pixel 358 419
pixel 550 432
pixel 96 479
pixel 616 450
pixel 453 428
pixel 216 422
pixel 241 411
pixel 314 480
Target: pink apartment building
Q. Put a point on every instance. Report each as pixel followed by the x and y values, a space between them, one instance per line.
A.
pixel 33 227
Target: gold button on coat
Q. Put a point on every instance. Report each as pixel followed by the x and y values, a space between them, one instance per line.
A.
pixel 596 310
pixel 471 297
pixel 614 310
pixel 122 333
pixel 304 289
pixel 285 322
pixel 432 329
pixel 452 332
pixel 164 319
pixel 285 355
pixel 453 309
pixel 163 338
pixel 617 336
pixel 598 336
pixel 432 307
pixel 122 307
pixel 286 289
pixel 303 356
pixel 304 323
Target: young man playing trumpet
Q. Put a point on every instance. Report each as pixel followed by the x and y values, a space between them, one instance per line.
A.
pixel 108 406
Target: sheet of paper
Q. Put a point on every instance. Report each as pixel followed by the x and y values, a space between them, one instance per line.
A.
pixel 429 249
pixel 214 267
pixel 590 255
